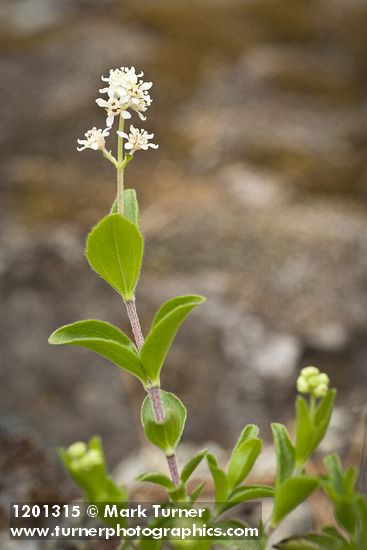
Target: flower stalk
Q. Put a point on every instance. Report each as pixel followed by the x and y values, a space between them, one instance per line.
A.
pixel 120 168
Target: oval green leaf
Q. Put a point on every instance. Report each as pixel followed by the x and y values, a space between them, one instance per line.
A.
pixel 115 251
pixel 219 478
pixel 195 493
pixel 165 434
pixel 158 479
pixel 105 340
pixel 290 494
pixel 131 207
pixel 242 460
pixel 191 465
pixel 246 493
pixel 285 452
pixel 164 328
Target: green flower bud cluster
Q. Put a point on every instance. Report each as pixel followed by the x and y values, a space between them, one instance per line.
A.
pixel 83 458
pixel 312 381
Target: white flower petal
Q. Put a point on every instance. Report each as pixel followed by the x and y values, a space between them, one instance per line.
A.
pixel 146 85
pixel 109 121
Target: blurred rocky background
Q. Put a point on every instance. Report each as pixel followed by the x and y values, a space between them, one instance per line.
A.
pixel 257 198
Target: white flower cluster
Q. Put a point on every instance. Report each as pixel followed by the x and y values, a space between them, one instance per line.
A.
pixel 137 139
pixel 95 139
pixel 311 380
pixel 125 90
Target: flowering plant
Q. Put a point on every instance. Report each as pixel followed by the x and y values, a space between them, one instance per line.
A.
pixel 114 250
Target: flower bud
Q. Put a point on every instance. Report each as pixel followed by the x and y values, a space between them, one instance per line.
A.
pixel 307 372
pixel 302 385
pixel 321 390
pixel 77 450
pixel 312 381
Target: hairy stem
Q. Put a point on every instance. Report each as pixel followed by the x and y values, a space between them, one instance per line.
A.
pixel 173 470
pixel 135 323
pixel 153 392
pixel 155 399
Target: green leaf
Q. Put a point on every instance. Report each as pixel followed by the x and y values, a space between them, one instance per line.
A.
pixel 147 544
pixel 131 207
pixel 178 494
pixel 242 460
pixel 105 340
pixel 290 493
pixel 246 493
pixel 304 430
pixel 195 493
pixel 322 418
pixel 219 478
pixel 251 492
pixel 361 507
pixel 165 326
pixel 114 207
pixel 335 473
pixel 339 486
pixel 157 479
pixel 324 409
pixel 88 329
pixel 315 541
pixel 191 465
pixel 115 250
pixel 311 429
pixel 350 479
pixel 165 434
pixel 250 431
pixel 285 452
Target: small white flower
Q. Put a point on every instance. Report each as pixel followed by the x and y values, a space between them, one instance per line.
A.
pixel 113 108
pixel 95 139
pixel 137 139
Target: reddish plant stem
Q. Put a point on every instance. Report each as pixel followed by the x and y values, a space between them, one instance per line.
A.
pixel 155 399
pixel 135 323
pixel 154 391
pixel 173 470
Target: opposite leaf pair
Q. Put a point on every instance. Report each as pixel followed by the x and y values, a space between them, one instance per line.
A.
pixel 228 489
pixel 108 341
pixel 114 250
